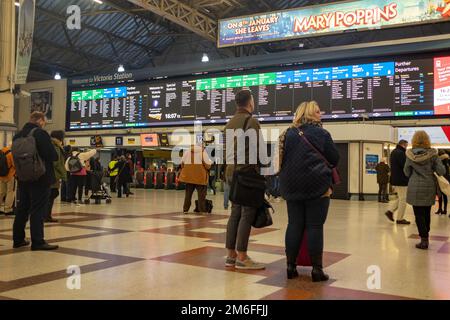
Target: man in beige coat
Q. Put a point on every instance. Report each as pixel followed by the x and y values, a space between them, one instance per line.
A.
pixel 194 173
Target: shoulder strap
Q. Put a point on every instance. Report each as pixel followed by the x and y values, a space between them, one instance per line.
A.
pixel 246 122
pixel 76 156
pixel 302 136
pixel 32 132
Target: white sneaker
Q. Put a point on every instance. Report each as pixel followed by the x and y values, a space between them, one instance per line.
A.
pixel 248 264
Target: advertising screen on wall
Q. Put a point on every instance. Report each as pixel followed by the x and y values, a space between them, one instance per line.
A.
pixel 149 140
pixel 438 135
pixel 329 18
pixel 164 139
pixel 376 88
pixel 96 141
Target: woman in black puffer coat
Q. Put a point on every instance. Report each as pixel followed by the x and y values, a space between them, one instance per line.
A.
pixel 123 178
pixel 305 183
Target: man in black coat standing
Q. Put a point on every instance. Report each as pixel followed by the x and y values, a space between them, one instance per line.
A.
pixel 382 179
pixel 399 182
pixel 33 196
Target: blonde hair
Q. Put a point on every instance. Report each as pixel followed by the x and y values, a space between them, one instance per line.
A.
pixel 306 113
pixel 421 140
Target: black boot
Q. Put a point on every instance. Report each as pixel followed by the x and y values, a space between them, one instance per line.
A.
pixel 291 270
pixel 423 244
pixel 317 273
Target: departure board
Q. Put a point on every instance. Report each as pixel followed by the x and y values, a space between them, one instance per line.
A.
pixel 375 89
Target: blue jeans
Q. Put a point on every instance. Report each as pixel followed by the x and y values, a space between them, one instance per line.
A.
pixel 226 194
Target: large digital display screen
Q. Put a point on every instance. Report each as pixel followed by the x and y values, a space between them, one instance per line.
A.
pixel 384 88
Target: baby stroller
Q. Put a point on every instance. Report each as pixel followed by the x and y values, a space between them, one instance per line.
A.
pixel 99 190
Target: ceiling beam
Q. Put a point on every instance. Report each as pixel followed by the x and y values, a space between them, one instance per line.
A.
pixel 183 15
pixel 58 17
pixel 98 12
pixel 142 13
pixel 64 49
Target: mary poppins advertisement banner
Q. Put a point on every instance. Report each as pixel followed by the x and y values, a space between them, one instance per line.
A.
pixel 330 18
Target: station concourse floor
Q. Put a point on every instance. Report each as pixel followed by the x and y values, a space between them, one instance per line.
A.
pixel 143 247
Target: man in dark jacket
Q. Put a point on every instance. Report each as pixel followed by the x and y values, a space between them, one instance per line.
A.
pixel 124 177
pixel 33 197
pixel 382 179
pixel 60 172
pixel 399 182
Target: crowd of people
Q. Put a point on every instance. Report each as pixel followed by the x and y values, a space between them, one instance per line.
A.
pixel 305 178
pixel 38 167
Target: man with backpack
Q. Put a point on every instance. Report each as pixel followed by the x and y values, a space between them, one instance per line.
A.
pixel 7 172
pixel 33 155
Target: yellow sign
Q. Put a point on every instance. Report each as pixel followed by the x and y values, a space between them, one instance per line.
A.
pixel 131 141
pixel 157 154
pixel 72 142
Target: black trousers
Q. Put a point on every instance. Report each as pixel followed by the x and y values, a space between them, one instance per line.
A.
pixel 382 191
pixel 201 191
pixel 122 186
pixel 445 198
pixel 76 183
pixel 54 193
pixel 65 196
pixel 87 184
pixel 32 203
pixel 423 220
pixel 309 215
pixel 112 183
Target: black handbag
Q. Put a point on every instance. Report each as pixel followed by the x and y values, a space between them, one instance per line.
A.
pixel 263 217
pixel 248 189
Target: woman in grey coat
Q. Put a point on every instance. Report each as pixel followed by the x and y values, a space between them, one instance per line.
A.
pixel 421 163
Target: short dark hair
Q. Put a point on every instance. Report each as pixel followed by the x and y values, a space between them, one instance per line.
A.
pixel 243 98
pixel 58 134
pixel 403 142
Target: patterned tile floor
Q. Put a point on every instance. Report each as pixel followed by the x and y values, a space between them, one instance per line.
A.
pixel 143 248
